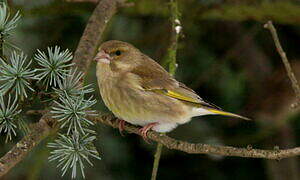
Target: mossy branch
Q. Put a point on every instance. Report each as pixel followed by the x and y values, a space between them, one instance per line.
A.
pixel 171 64
pixel 170 60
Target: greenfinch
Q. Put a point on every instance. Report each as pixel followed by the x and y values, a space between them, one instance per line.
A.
pixel 141 92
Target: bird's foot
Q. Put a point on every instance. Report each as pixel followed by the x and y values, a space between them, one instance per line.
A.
pixel 143 131
pixel 121 126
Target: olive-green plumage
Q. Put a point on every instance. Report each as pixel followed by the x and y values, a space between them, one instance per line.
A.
pixel 138 90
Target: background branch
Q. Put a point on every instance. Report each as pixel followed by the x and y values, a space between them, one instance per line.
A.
pixel 171 64
pixel 157 156
pixel 91 37
pixel 269 25
pixel 170 60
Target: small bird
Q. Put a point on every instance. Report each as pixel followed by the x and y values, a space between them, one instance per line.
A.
pixel 141 92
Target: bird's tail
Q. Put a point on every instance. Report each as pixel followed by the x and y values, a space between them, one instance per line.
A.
pixel 221 112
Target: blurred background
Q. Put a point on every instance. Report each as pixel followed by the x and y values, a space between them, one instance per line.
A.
pixel 225 55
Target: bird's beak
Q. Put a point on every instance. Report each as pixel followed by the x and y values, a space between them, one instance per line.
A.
pixel 102 57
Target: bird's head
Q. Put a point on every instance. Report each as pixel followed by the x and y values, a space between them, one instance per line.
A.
pixel 117 54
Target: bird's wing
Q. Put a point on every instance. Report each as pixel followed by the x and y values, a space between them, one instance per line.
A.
pixel 155 78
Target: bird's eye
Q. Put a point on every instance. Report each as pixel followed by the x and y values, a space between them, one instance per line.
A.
pixel 118 53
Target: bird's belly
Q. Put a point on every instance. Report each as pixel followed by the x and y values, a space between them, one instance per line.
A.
pixel 143 107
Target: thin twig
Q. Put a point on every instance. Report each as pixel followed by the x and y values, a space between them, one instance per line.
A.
pixel 1 46
pixel 172 66
pixel 156 160
pixel 36 112
pixel 269 25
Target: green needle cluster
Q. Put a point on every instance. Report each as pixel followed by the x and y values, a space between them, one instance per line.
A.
pixel 8 117
pixel 54 65
pixel 16 75
pixel 72 151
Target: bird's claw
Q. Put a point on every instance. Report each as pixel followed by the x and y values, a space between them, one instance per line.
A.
pixel 121 126
pixel 144 130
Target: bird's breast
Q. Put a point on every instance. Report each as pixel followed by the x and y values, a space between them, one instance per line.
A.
pixel 119 92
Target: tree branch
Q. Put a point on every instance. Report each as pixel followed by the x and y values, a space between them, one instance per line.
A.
pixel 82 58
pixel 269 25
pixel 22 148
pixel 197 148
pixel 91 37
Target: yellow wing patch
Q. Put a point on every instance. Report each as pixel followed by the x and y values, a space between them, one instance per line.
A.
pixel 180 96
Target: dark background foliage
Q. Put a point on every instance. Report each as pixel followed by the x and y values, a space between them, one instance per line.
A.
pixel 225 55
